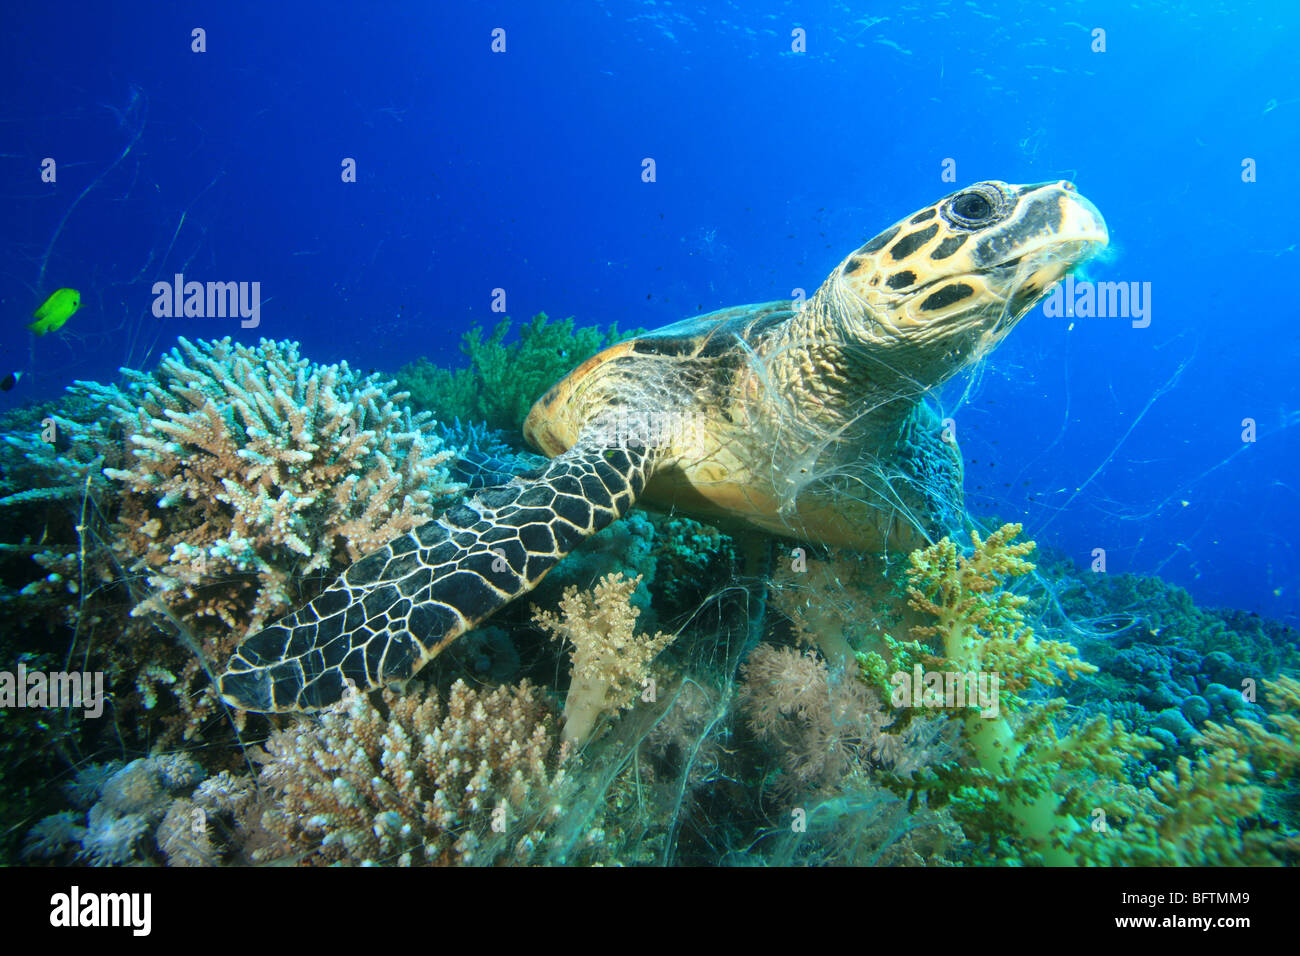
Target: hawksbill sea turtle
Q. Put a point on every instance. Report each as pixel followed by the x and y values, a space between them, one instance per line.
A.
pixel 800 419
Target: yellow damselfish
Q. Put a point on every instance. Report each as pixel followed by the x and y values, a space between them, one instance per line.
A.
pixel 55 311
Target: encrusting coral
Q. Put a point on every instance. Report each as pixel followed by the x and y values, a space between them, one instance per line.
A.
pixel 610 661
pixel 1209 811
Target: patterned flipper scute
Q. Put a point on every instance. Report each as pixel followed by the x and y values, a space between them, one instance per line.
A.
pixel 398 607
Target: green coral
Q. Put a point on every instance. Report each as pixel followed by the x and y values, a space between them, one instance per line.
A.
pixel 1235 805
pixel 1046 788
pixel 900 656
pixel 1160 613
pixel 694 560
pixel 503 380
pixel 982 628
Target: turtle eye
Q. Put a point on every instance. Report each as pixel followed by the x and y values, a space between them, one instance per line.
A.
pixel 976 207
pixel 972 206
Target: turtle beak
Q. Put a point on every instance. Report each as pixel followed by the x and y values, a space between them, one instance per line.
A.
pixel 1065 230
pixel 1079 220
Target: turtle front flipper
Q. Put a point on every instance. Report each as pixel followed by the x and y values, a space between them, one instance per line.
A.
pixel 397 608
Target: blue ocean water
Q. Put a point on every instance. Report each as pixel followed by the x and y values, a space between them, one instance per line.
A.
pixel 521 170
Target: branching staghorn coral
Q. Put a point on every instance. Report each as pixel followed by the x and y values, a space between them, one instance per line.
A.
pixel 53 452
pixel 51 488
pixel 250 468
pixel 236 480
pixel 610 661
pixel 476 783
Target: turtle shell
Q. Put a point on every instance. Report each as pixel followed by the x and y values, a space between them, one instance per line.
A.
pixel 557 418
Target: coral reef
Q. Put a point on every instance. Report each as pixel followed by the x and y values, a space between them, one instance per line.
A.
pixel 123 805
pixel 978 621
pixel 250 467
pixel 1210 811
pixel 1165 667
pixel 249 475
pixel 610 661
pixel 211 494
pixel 1046 787
pixel 836 740
pixel 475 783
pixel 483 457
pixel 827 727
pixel 502 381
pixel 1131 728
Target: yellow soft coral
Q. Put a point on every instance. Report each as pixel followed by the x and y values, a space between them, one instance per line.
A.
pixel 1061 797
pixel 981 625
pixel 1205 812
pixel 609 659
pixel 1275 752
pixel 982 629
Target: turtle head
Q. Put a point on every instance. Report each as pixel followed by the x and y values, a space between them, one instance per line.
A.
pixel 954 279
